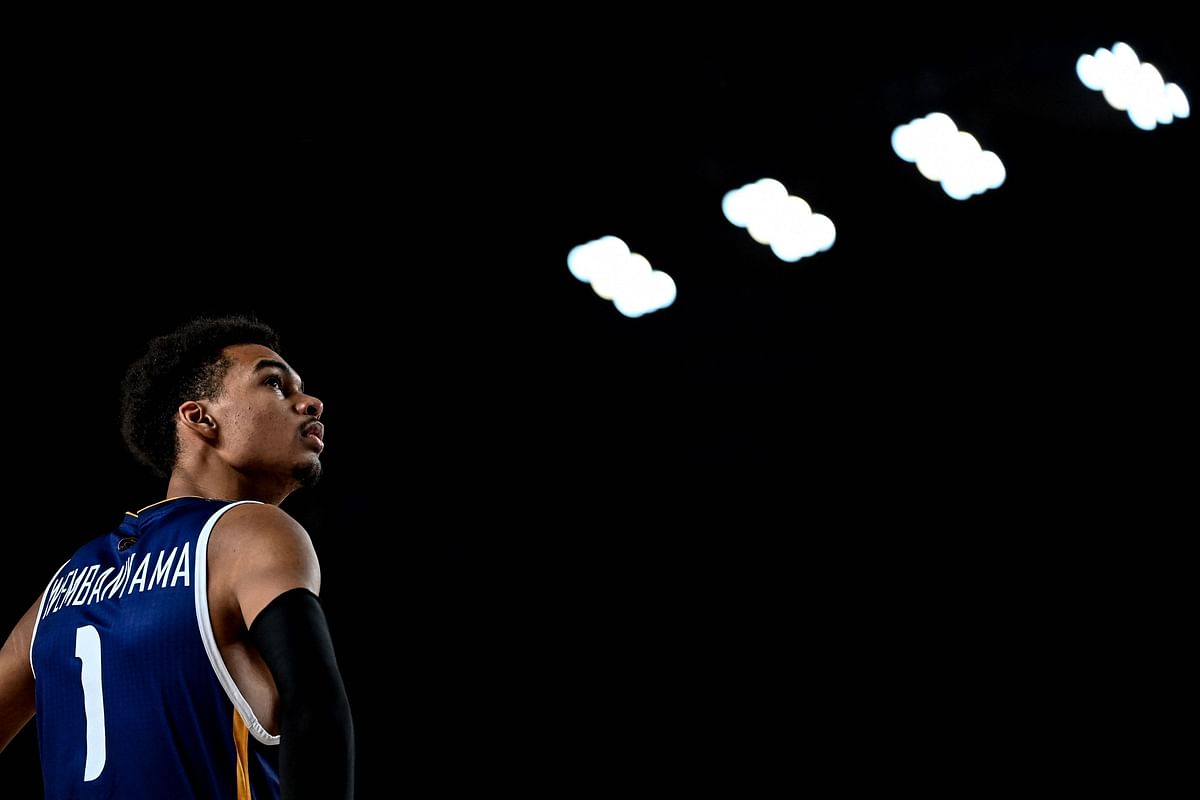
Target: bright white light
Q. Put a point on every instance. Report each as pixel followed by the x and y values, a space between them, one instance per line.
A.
pixel 1177 101
pixel 596 257
pixel 773 217
pixel 1132 86
pixel 654 290
pixel 949 156
pixel 627 279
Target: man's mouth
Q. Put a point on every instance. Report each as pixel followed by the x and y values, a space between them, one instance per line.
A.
pixel 314 430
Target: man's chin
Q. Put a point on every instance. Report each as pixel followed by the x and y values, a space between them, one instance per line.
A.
pixel 308 475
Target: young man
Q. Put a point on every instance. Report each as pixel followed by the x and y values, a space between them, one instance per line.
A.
pixel 185 654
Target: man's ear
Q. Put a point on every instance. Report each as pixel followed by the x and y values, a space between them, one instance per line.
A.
pixel 197 419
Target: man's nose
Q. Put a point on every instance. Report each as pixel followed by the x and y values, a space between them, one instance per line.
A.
pixel 312 407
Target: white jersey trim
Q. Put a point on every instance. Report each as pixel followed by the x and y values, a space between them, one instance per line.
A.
pixel 38 618
pixel 210 639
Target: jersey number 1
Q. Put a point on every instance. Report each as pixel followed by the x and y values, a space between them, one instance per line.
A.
pixel 87 650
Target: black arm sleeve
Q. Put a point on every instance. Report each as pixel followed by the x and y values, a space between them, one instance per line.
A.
pixel 316 736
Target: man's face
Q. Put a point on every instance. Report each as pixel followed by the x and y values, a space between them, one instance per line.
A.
pixel 267 425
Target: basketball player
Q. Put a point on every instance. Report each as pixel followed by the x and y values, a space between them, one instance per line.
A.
pixel 185 654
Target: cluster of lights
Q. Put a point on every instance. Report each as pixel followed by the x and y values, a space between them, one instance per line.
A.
pixel 942 153
pixel 1132 86
pixel 949 156
pixel 784 222
pixel 626 278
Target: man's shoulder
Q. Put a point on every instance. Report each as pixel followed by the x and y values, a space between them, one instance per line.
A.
pixel 258 526
pixel 263 548
pixel 259 519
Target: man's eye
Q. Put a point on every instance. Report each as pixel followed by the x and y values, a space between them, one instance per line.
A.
pixel 273 381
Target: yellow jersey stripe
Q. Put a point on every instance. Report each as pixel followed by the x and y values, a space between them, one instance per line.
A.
pixel 160 502
pixel 241 744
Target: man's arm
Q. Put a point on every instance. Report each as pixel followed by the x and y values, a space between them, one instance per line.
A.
pixel 316 733
pixel 275 580
pixel 16 679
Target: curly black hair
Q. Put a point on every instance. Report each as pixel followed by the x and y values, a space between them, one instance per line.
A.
pixel 186 364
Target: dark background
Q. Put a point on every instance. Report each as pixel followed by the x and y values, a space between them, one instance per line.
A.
pixel 897 499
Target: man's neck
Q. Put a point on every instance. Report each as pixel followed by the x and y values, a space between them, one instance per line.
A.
pixel 230 486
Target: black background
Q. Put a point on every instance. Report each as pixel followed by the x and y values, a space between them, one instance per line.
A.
pixel 896 499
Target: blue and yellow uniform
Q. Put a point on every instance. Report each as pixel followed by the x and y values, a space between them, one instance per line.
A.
pixel 133 698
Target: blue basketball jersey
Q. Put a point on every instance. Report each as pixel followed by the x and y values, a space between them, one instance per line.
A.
pixel 133 698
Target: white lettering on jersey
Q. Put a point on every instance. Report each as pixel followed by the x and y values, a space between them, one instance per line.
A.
pixel 82 586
